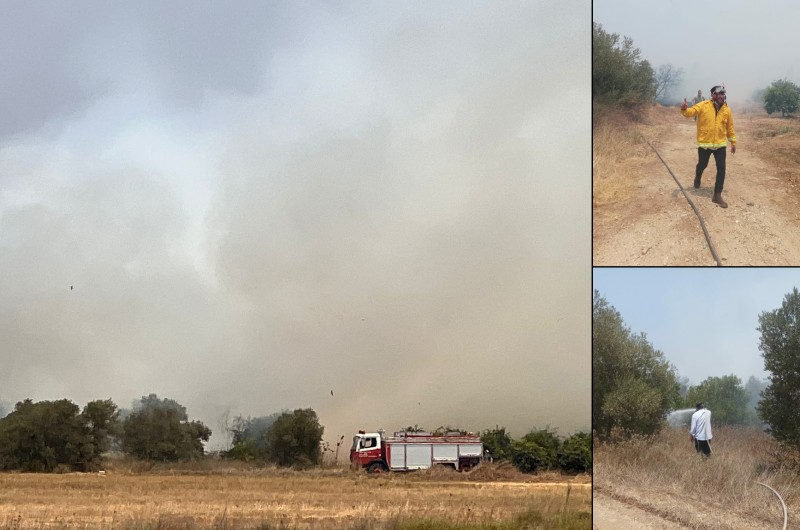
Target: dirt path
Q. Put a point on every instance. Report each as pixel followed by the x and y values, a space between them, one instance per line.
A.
pixel 655 225
pixel 611 514
pixel 630 513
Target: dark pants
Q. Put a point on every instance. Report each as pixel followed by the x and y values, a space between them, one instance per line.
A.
pixel 703 155
pixel 703 446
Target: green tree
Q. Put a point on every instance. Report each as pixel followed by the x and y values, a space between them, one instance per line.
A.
pixel 725 397
pixel 46 435
pixel 619 75
pixel 160 430
pixel 498 442
pixel 102 420
pixel 779 344
pixel 575 453
pixel 782 95
pixel 633 386
pixel 536 451
pixel 294 439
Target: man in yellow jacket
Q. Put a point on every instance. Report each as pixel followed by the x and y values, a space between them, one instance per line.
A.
pixel 714 130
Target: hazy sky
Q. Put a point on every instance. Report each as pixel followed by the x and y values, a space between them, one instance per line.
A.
pixel 260 202
pixel 745 45
pixel 703 320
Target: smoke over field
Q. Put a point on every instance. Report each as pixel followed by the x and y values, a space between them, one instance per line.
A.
pixel 366 210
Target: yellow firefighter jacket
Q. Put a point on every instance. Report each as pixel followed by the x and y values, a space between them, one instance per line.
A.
pixel 713 126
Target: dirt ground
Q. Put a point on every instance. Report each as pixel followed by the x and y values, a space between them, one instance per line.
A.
pixel 652 224
pixel 611 514
pixel 632 512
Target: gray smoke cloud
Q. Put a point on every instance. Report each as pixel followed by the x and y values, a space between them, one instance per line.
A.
pixel 250 209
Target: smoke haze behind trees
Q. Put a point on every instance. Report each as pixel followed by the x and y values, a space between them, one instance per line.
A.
pixel 742 44
pixel 248 209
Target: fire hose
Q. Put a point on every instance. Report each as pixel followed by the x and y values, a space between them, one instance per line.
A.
pixel 785 515
pixel 700 217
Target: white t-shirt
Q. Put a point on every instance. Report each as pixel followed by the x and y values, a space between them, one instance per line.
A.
pixel 701 425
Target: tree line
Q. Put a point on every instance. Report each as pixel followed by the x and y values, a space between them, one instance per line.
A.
pixel 634 387
pixel 49 436
pixel 622 77
pixel 540 450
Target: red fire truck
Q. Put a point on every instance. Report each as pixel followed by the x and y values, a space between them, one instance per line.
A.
pixel 407 451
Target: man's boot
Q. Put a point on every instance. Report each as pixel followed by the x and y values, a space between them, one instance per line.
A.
pixel 718 199
pixel 697 182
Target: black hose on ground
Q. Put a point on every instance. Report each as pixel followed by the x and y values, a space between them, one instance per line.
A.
pixel 700 217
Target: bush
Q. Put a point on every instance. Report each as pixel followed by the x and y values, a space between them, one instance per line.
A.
pixel 498 442
pixel 782 95
pixel 530 457
pixel 575 454
pixel 536 451
pixel 294 439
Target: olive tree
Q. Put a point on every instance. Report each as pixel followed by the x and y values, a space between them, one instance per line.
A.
pixel 160 430
pixel 294 439
pixel 633 386
pixel 48 435
pixel 780 344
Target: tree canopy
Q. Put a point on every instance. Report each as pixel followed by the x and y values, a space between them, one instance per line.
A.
pixel 782 95
pixel 498 442
pixel 725 397
pixel 47 435
pixel 779 344
pixel 294 439
pixel 633 386
pixel 575 453
pixel 160 430
pixel 619 75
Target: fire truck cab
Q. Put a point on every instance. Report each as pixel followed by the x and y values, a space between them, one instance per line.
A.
pixel 406 451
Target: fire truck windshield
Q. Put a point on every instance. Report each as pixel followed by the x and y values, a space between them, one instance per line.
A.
pixel 356 438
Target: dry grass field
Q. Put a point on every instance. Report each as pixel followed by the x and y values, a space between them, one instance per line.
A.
pixel 490 497
pixel 665 476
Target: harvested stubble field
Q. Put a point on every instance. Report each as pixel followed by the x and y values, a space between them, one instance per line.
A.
pixel 663 476
pixel 489 497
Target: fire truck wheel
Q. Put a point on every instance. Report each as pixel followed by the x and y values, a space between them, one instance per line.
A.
pixel 376 467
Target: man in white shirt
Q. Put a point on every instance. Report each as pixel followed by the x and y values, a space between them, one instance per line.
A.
pixel 700 431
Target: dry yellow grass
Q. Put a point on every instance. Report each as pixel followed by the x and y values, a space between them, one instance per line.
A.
pixel 665 475
pixel 617 152
pixel 269 498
